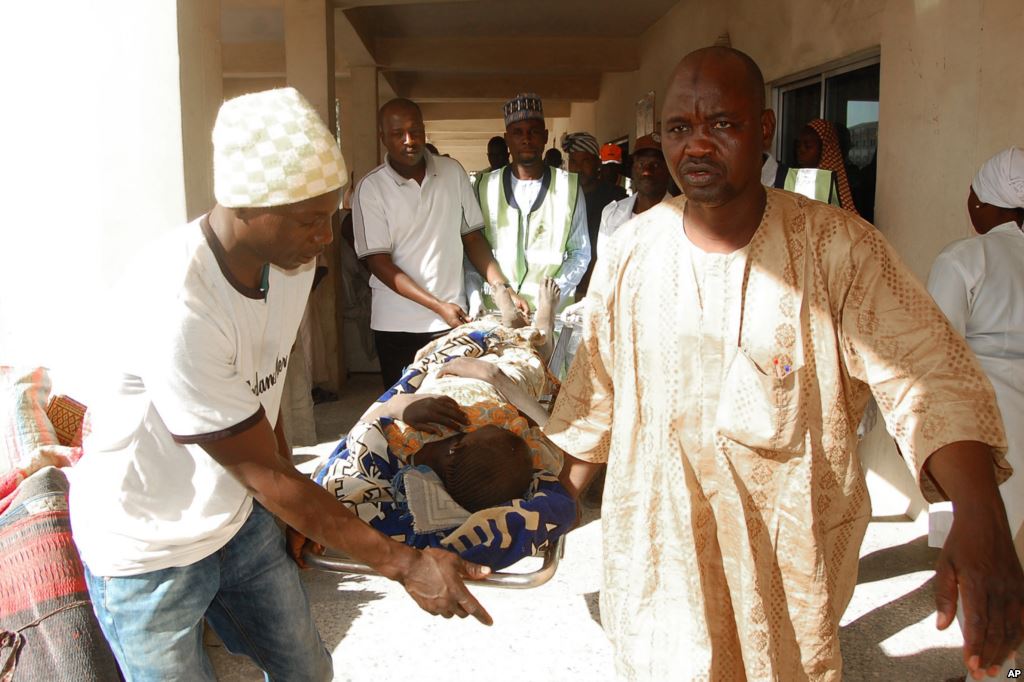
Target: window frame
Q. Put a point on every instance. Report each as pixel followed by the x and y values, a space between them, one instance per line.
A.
pixel 819 74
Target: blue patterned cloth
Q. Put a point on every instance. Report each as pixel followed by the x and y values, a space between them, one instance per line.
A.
pixel 366 475
pixel 362 473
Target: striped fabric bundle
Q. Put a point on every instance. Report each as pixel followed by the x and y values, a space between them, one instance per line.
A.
pixel 47 627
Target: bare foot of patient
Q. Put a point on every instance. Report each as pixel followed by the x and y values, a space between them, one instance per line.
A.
pixel 510 315
pixel 544 320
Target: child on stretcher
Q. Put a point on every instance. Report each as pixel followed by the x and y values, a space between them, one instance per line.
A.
pixel 467 408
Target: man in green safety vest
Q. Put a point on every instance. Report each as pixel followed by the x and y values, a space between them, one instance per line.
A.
pixel 535 217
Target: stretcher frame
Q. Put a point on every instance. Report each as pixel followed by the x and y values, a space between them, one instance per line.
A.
pixel 551 556
pixel 506 579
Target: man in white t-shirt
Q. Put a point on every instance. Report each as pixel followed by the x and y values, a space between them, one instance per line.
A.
pixel 413 216
pixel 187 461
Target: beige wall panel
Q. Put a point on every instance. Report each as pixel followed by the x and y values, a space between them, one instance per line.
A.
pixel 788 37
pixel 1000 80
pixel 583 117
pixel 686 26
pixel 928 125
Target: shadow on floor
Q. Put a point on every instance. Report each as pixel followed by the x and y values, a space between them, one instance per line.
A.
pixel 890 518
pixel 336 601
pixel 890 562
pixel 593 601
pixel 864 657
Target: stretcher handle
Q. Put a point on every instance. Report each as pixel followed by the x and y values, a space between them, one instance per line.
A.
pixel 511 581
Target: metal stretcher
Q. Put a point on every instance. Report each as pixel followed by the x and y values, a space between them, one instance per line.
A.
pixel 335 563
pixel 507 579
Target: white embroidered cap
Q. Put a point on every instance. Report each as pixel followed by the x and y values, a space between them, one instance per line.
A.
pixel 271 148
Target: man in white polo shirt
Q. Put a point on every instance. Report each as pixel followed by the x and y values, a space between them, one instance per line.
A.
pixel 187 464
pixel 412 217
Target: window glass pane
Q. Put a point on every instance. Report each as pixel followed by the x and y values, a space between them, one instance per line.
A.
pixel 851 103
pixel 799 106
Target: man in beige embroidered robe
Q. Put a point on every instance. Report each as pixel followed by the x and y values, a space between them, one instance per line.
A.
pixel 731 340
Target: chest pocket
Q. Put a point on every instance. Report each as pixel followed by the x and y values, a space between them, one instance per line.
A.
pixel 760 404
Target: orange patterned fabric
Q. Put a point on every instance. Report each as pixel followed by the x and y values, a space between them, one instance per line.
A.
pixel 404 440
pixel 832 159
pixel 724 395
pixel 67 416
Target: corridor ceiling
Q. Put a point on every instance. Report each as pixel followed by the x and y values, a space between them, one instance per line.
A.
pixel 458 55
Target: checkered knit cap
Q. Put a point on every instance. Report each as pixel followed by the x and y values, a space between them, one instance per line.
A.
pixel 271 148
pixel 524 106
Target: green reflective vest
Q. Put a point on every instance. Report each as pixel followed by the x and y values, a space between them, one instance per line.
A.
pixel 813 183
pixel 528 245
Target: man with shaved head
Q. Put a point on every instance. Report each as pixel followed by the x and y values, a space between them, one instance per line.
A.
pixel 413 218
pixel 732 338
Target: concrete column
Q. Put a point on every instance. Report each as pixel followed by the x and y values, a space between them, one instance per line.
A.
pixel 309 52
pixel 361 114
pixel 201 87
pixel 318 357
pixel 97 165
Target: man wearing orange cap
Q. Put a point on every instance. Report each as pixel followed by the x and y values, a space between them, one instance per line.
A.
pixel 611 166
pixel 650 178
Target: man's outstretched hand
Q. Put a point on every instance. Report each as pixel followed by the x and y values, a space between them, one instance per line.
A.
pixel 434 579
pixel 979 563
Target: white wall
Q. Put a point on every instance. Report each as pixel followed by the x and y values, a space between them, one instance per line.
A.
pixel 94 163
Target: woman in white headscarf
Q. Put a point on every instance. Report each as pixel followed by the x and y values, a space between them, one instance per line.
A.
pixel 979 284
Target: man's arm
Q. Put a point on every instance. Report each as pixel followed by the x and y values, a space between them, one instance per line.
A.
pixel 577 250
pixel 283 448
pixel 384 269
pixel 478 250
pixel 432 578
pixel 942 411
pixel 577 474
pixel 475 368
pixel 978 560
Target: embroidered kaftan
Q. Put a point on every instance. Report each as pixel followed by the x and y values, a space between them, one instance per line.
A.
pixel 724 392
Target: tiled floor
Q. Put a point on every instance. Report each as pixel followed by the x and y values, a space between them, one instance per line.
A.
pixel 376 633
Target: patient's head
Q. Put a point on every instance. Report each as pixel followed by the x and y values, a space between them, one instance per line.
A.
pixel 485 468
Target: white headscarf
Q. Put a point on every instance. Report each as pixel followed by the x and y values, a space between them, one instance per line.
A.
pixel 1000 182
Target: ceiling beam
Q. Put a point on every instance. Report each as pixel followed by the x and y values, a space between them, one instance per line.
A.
pixel 465 111
pixel 427 87
pixel 568 55
pixel 349 4
pixel 350 47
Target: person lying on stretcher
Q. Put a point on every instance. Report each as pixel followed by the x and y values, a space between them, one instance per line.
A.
pixel 464 418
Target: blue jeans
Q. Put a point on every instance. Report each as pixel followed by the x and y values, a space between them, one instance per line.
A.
pixel 250 593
